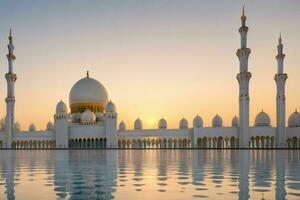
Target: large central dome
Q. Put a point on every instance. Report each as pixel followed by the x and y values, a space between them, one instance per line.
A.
pixel 88 93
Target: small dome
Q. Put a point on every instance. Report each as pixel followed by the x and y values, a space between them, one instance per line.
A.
pixel 31 127
pixel 235 121
pixel 262 119
pixel 122 126
pixel 61 107
pixel 110 107
pixel 198 122
pixel 183 123
pixel 162 123
pixel 294 119
pixel 138 124
pixel 75 117
pixel 99 117
pixel 17 126
pixel 50 126
pixel 217 121
pixel 87 117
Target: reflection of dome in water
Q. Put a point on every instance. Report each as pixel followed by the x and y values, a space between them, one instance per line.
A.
pixel 88 93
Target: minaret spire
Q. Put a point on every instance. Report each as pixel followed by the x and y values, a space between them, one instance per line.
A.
pixel 243 78
pixel 280 79
pixel 10 99
pixel 243 17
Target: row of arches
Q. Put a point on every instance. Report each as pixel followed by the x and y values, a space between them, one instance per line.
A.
pixel 264 142
pixel 293 142
pixel 155 143
pixel 217 142
pixel 33 144
pixel 202 142
pixel 88 143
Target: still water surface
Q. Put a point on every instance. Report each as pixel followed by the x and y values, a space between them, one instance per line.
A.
pixel 149 174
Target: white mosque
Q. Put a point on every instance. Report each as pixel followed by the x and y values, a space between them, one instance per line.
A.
pixel 90 120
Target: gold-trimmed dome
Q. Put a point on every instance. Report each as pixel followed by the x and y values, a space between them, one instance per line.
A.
pixel 88 93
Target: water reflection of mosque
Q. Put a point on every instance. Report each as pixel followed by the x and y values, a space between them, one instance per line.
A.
pixel 100 174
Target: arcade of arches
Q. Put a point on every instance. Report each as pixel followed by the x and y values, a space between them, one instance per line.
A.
pixel 263 142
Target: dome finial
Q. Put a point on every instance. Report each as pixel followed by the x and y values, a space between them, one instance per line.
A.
pixel 87 74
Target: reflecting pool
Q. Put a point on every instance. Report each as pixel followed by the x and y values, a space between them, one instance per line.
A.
pixel 149 174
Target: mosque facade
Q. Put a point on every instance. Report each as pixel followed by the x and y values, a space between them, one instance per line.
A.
pixel 90 120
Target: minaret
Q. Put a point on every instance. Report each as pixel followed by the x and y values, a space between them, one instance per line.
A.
pixel 243 78
pixel 10 99
pixel 280 79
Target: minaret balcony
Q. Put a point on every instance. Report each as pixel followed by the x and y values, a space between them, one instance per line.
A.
pixel 244 51
pixel 11 76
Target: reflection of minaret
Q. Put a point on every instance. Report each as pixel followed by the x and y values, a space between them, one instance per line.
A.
pixel 280 79
pixel 61 171
pixel 280 192
pixel 263 169
pixel 10 99
pixel 218 167
pixel 243 176
pixel 198 160
pixel 243 78
pixel 9 163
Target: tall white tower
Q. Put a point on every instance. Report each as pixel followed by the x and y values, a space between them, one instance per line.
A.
pixel 111 125
pixel 61 125
pixel 10 99
pixel 280 79
pixel 243 78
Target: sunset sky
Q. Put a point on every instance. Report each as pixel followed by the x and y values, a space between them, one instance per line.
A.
pixel 158 58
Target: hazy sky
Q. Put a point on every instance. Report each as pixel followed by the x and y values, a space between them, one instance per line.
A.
pixel 156 58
